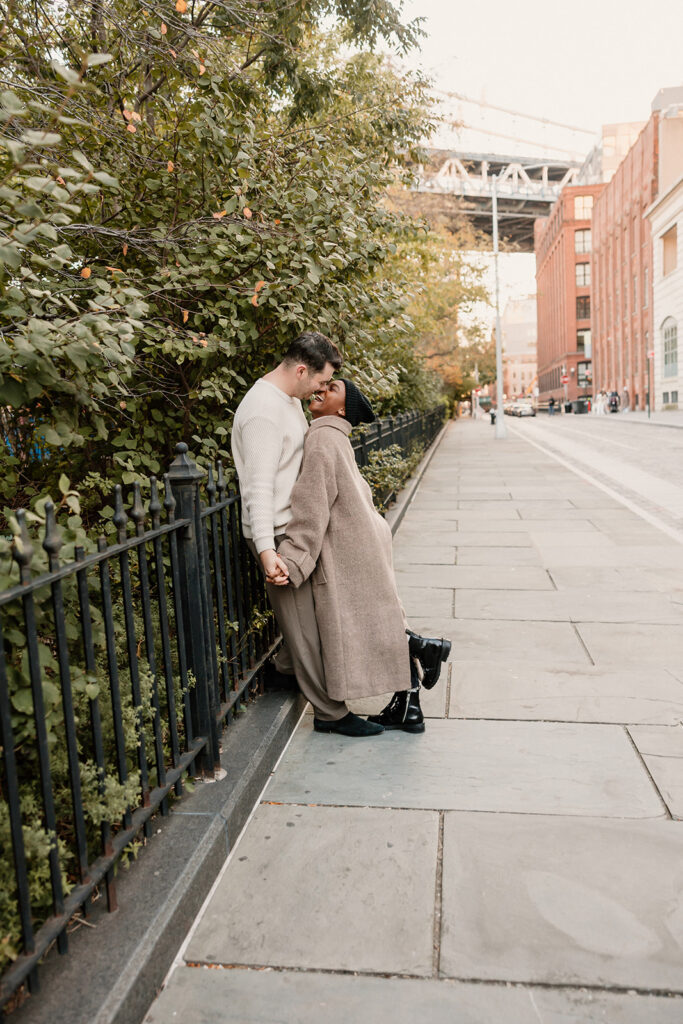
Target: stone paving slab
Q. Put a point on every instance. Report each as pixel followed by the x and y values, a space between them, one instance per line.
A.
pixel 420 554
pixel 530 692
pixel 463 577
pixel 555 554
pixel 420 601
pixel 632 644
pixel 661 748
pixel 527 767
pixel 495 640
pixel 494 555
pixel 619 580
pixel 559 901
pixel 525 605
pixel 201 996
pixel 309 887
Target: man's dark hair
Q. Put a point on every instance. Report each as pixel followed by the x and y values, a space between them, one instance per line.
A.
pixel 314 350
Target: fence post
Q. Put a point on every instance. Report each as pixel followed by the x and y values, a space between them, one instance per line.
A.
pixel 184 476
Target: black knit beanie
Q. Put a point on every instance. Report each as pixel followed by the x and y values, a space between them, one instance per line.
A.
pixel 358 409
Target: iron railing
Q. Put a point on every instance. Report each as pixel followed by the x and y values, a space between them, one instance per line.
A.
pixel 119 669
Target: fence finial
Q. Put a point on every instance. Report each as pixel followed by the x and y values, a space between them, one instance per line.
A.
pixel 154 503
pixel 211 487
pixel 169 500
pixel 137 512
pixel 184 469
pixel 53 542
pixel 120 518
pixel 22 549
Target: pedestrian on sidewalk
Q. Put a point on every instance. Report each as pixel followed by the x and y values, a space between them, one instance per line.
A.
pixel 267 445
pixel 551 406
pixel 337 539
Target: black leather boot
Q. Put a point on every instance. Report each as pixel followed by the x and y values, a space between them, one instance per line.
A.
pixel 403 710
pixel 431 653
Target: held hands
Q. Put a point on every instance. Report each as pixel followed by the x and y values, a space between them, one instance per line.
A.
pixel 274 567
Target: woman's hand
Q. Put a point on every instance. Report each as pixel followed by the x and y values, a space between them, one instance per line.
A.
pixel 274 567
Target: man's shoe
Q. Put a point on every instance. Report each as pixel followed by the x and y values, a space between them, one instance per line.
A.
pixel 349 725
pixel 431 653
pixel 402 712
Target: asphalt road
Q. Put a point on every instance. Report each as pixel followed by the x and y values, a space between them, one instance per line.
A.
pixel 641 462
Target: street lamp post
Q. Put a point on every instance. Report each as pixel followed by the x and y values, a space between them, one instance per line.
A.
pixel 501 429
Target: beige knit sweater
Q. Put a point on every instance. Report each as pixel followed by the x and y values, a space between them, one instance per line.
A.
pixel 267 446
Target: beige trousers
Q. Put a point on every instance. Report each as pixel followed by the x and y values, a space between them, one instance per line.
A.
pixel 295 613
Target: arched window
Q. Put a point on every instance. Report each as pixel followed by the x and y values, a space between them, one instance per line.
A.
pixel 670 347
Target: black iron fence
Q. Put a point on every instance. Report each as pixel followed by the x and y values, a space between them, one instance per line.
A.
pixel 120 667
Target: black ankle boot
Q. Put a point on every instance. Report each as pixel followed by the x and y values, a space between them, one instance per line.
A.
pixel 402 712
pixel 431 653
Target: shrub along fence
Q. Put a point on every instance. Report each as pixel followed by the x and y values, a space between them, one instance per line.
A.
pixel 119 670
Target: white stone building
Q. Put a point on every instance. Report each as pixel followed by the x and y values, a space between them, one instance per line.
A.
pixel 666 218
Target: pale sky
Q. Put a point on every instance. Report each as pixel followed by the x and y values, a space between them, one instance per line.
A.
pixel 585 64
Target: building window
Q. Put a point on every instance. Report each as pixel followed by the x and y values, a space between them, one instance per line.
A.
pixel 584 375
pixel 583 307
pixel 583 342
pixel 583 207
pixel 665 397
pixel 646 277
pixel 583 275
pixel 582 240
pixel 674 398
pixel 669 253
pixel 670 346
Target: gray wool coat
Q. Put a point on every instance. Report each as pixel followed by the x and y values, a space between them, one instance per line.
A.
pixel 338 538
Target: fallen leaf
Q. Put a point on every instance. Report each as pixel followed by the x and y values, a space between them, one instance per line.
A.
pixel 202 69
pixel 203 342
pixel 123 405
pixel 259 286
pixel 136 116
pixel 114 270
pixel 247 213
pixel 127 114
pixel 86 272
pixel 131 128
pixel 181 6
pixel 172 52
pixel 169 167
pixel 61 180
pixel 125 248
pixel 185 316
pixel 220 215
pixel 164 29
pixel 195 53
pixel 276 221
pixel 254 299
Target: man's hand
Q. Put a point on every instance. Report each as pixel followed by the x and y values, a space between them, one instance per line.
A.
pixel 274 567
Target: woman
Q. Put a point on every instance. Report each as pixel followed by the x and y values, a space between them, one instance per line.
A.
pixel 338 538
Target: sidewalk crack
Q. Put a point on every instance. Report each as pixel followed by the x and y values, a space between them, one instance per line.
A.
pixel 438 900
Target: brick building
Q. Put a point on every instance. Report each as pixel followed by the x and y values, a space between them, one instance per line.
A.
pixel 623 331
pixel 562 242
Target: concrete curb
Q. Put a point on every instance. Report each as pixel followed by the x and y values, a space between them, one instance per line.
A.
pixel 117 962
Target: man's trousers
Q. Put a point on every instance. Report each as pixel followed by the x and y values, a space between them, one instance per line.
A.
pixel 295 613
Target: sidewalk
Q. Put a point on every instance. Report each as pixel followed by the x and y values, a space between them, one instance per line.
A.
pixel 522 861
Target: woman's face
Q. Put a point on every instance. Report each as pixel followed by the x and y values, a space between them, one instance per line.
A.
pixel 330 402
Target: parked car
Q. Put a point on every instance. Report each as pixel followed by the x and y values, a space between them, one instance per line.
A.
pixel 522 407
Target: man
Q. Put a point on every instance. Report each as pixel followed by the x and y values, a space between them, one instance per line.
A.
pixel 267 445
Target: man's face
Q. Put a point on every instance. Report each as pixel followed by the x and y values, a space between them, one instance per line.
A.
pixel 310 381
